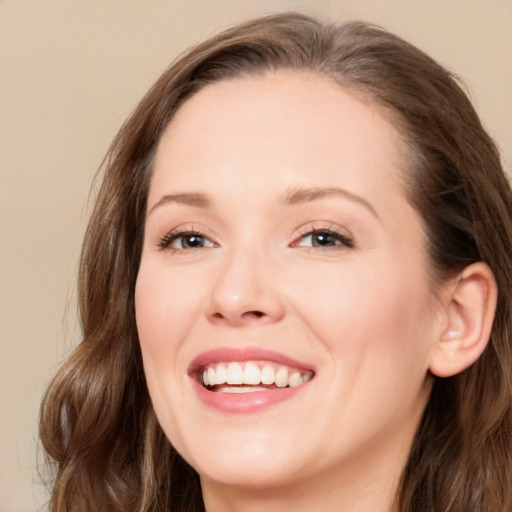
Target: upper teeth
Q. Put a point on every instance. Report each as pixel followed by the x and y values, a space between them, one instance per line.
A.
pixel 253 374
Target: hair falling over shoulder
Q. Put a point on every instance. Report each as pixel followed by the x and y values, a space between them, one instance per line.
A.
pixel 103 443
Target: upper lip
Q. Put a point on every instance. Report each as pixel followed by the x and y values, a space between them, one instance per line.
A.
pixel 231 354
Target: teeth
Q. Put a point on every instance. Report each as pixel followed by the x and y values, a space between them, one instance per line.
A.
pixel 235 374
pixel 282 377
pixel 267 375
pixel 221 374
pixel 252 374
pixel 237 390
pixel 294 380
pixel 211 375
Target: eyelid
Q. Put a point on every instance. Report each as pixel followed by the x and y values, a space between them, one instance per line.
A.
pixel 343 235
pixel 164 243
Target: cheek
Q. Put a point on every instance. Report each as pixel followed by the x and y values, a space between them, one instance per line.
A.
pixel 162 318
pixel 161 322
pixel 363 314
pixel 377 328
pixel 164 304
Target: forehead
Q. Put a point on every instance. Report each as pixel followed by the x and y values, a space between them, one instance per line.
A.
pixel 279 129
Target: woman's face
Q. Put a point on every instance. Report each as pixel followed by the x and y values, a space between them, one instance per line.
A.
pixel 281 254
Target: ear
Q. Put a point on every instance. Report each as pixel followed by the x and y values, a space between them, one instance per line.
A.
pixel 469 304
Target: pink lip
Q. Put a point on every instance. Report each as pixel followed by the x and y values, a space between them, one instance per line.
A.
pixel 243 402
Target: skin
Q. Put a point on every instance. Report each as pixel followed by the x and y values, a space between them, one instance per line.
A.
pixel 363 316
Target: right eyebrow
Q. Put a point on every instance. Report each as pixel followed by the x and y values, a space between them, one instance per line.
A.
pixel 188 198
pixel 303 195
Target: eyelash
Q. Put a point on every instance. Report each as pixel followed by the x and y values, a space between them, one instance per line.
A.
pixel 345 241
pixel 172 236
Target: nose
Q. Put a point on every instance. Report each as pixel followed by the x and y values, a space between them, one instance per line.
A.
pixel 245 292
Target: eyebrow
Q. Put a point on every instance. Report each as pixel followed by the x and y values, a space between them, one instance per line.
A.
pixel 187 198
pixel 304 195
pixel 292 197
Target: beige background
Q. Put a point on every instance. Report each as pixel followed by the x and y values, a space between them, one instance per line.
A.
pixel 70 72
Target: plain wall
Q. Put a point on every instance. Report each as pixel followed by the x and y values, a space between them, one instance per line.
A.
pixel 70 72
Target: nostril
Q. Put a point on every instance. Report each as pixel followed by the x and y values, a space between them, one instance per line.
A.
pixel 257 314
pixel 246 316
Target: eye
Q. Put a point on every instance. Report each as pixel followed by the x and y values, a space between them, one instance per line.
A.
pixel 185 240
pixel 324 238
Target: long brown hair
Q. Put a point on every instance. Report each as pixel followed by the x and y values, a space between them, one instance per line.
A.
pixel 97 423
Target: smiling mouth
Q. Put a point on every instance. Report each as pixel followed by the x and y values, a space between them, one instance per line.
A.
pixel 251 376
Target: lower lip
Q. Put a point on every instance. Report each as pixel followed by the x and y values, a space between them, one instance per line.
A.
pixel 245 403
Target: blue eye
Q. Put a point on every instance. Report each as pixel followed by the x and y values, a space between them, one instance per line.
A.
pixel 184 240
pixel 324 238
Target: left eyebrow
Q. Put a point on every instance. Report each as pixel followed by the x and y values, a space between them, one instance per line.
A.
pixel 303 195
pixel 187 198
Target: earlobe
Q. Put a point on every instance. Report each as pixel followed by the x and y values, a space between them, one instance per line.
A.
pixel 469 308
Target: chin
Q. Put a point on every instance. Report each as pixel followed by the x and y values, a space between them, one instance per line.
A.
pixel 248 476
pixel 250 462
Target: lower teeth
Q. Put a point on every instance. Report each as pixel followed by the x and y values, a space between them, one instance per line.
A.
pixel 235 389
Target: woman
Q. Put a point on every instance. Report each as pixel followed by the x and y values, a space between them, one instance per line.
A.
pixel 294 289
